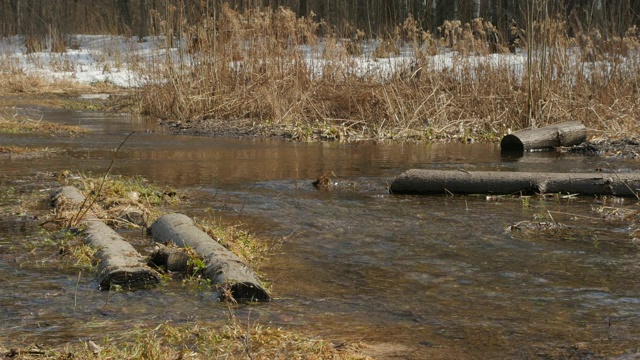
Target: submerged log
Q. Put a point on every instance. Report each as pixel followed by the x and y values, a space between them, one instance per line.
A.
pixel 120 264
pixel 562 134
pixel 224 268
pixel 420 181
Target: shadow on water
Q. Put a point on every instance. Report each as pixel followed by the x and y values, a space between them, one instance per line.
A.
pixel 437 274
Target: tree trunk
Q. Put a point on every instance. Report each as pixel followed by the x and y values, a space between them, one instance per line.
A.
pixel 144 13
pixel 302 8
pixel 562 134
pixel 120 263
pixel 224 268
pixel 421 181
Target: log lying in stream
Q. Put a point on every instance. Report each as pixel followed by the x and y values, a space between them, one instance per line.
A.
pixel 420 181
pixel 562 134
pixel 224 268
pixel 67 196
pixel 120 263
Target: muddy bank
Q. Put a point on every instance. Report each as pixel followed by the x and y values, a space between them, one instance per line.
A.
pixel 240 128
pixel 249 128
pixel 623 148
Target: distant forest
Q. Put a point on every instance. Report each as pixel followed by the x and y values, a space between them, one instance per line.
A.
pixel 377 18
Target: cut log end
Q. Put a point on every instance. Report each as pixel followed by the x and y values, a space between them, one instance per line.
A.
pixel 567 133
pixel 129 279
pixel 245 291
pixel 511 143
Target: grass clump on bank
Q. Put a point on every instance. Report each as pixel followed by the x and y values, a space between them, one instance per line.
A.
pixel 118 200
pixel 256 65
pixel 22 124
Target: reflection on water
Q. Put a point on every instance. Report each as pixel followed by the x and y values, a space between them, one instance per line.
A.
pixel 438 274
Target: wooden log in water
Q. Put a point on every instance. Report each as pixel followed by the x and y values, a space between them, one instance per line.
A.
pixel 119 262
pixel 66 196
pixel 224 268
pixel 421 181
pixel 562 134
pixel 171 259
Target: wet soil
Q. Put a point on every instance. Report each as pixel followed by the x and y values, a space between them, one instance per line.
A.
pixel 238 128
pixel 622 148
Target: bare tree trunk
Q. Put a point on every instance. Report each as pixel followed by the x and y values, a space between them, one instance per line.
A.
pixel 124 11
pixel 302 8
pixel 143 20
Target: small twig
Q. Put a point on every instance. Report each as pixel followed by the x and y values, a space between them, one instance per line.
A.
pixel 622 181
pixel 75 294
pixel 574 215
pixel 104 179
pixel 247 337
pixel 551 217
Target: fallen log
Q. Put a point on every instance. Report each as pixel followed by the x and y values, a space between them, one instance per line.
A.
pixel 170 259
pixel 66 196
pixel 421 181
pixel 224 268
pixel 567 133
pixel 120 264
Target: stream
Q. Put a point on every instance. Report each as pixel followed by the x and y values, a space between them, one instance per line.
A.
pixel 432 276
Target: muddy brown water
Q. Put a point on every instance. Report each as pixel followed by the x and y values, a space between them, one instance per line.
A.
pixel 435 276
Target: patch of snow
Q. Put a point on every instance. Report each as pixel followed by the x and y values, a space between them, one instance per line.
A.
pixel 123 60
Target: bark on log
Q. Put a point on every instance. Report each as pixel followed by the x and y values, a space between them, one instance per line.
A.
pixel 562 134
pixel 224 268
pixel 120 263
pixel 420 181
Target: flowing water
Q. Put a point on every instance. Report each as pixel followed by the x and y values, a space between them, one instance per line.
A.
pixel 436 276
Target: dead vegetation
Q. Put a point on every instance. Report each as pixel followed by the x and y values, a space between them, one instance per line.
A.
pixel 236 339
pixel 22 124
pixel 119 201
pixel 252 65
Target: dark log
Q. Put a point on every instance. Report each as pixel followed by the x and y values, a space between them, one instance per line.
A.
pixel 562 134
pixel 171 259
pixel 224 268
pixel 420 181
pixel 120 263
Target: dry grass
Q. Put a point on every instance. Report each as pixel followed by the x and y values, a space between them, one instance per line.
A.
pixel 17 152
pixel 235 339
pixel 14 81
pixel 252 66
pixel 119 201
pixel 21 124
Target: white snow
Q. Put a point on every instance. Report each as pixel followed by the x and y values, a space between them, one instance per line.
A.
pixel 125 61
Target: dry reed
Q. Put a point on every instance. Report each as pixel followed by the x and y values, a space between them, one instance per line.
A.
pixel 252 65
